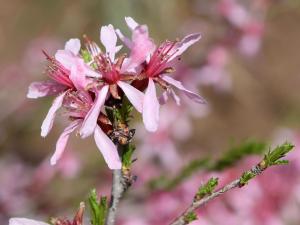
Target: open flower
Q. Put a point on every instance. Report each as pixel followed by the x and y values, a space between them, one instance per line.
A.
pixel 68 72
pixel 157 61
pixel 77 220
pixel 79 106
pixel 111 78
pixel 24 221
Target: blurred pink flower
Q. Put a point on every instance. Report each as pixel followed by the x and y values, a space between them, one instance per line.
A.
pixel 214 71
pixel 24 221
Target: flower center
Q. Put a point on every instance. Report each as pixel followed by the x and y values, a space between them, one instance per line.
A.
pixel 58 72
pixel 109 71
pixel 160 58
pixel 77 104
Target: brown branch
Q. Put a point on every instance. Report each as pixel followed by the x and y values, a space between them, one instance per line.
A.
pixel 118 189
pixel 181 220
pixel 122 180
pixel 270 159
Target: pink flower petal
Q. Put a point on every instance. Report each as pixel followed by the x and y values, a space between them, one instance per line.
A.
pixel 66 58
pixel 131 23
pixel 165 96
pixel 108 149
pixel 151 108
pixel 135 96
pixel 185 43
pixel 195 97
pixel 142 46
pixel 90 122
pixel 44 88
pixel 62 141
pixel 108 38
pixel 73 45
pixel 174 96
pixel 124 39
pixel 24 221
pixel 48 121
pixel 77 75
pixel 91 73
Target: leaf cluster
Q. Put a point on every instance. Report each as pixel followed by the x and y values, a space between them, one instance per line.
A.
pixel 236 153
pixel 99 208
pixel 274 157
pixel 246 176
pixel 120 114
pixel 271 158
pixel 228 159
pixel 207 188
pixel 189 217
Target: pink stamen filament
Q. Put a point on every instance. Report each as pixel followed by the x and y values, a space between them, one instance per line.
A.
pixel 107 69
pixel 160 58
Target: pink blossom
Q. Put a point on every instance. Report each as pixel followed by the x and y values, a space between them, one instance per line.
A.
pixel 24 221
pixel 158 60
pixel 79 105
pixel 214 71
pixel 141 45
pixel 110 73
pixel 68 71
pixel 71 61
pixel 234 12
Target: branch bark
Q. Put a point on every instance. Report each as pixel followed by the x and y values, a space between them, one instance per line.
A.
pixel 181 220
pixel 118 189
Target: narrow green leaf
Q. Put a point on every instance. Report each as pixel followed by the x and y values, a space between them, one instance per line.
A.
pixel 128 151
pixel 98 208
pixel 191 216
pixel 246 176
pixel 236 153
pixel 207 188
pixel 273 157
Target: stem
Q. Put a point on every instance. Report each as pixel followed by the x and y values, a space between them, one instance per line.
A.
pixel 271 158
pixel 181 220
pixel 118 189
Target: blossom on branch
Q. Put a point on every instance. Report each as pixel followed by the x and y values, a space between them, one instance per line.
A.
pixel 88 81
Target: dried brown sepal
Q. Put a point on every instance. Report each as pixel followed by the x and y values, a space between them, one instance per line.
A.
pixel 78 219
pixel 128 77
pixel 104 119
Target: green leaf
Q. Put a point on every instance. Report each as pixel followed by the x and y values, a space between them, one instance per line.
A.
pixel 207 188
pixel 238 152
pixel 164 182
pixel 191 216
pixel 274 157
pixel 187 172
pixel 246 176
pixel 120 114
pixel 228 159
pixel 281 162
pixel 98 208
pixel 125 110
pixel 103 209
pixel 128 151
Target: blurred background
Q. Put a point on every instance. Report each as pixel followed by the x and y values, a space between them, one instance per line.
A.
pixel 247 66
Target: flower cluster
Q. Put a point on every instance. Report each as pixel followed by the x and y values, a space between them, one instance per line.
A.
pixel 86 80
